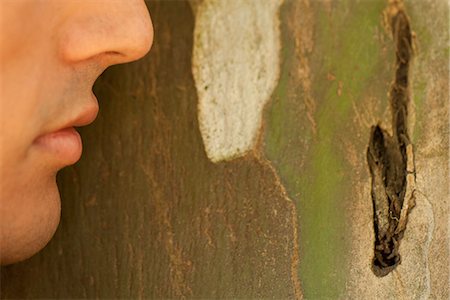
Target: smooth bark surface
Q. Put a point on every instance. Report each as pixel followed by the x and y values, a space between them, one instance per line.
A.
pixel 146 214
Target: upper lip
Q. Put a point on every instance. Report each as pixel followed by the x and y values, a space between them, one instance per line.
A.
pixel 86 112
pixel 86 115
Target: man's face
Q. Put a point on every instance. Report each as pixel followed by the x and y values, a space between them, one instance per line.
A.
pixel 51 52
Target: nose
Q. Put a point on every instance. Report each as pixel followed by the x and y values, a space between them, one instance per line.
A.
pixel 112 32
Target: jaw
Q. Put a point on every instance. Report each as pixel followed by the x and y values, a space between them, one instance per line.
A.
pixel 29 216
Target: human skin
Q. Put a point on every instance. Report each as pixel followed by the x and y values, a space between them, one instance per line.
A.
pixel 51 53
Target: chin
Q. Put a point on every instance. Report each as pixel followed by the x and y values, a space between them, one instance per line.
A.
pixel 30 215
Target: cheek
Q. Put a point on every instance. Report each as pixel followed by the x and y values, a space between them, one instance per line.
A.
pixel 29 77
pixel 29 214
pixel 29 102
pixel 19 113
pixel 30 94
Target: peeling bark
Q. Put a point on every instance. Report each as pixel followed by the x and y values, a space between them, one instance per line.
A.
pixel 391 158
pixel 146 214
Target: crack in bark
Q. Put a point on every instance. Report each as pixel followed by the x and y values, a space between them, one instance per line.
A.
pixel 391 158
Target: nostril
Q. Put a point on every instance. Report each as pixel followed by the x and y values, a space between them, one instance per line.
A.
pixel 137 35
pixel 120 33
pixel 134 42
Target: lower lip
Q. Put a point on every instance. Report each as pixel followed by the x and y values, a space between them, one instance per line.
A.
pixel 64 145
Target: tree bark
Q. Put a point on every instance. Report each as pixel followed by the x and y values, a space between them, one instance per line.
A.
pixel 147 214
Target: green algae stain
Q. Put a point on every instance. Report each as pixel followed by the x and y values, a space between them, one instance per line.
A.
pixel 312 164
pixel 273 141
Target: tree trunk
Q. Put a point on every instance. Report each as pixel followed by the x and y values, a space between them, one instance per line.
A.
pixel 231 162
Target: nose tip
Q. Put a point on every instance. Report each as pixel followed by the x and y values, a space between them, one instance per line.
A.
pixel 119 32
pixel 137 37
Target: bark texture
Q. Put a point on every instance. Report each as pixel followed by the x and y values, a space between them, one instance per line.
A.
pixel 146 214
